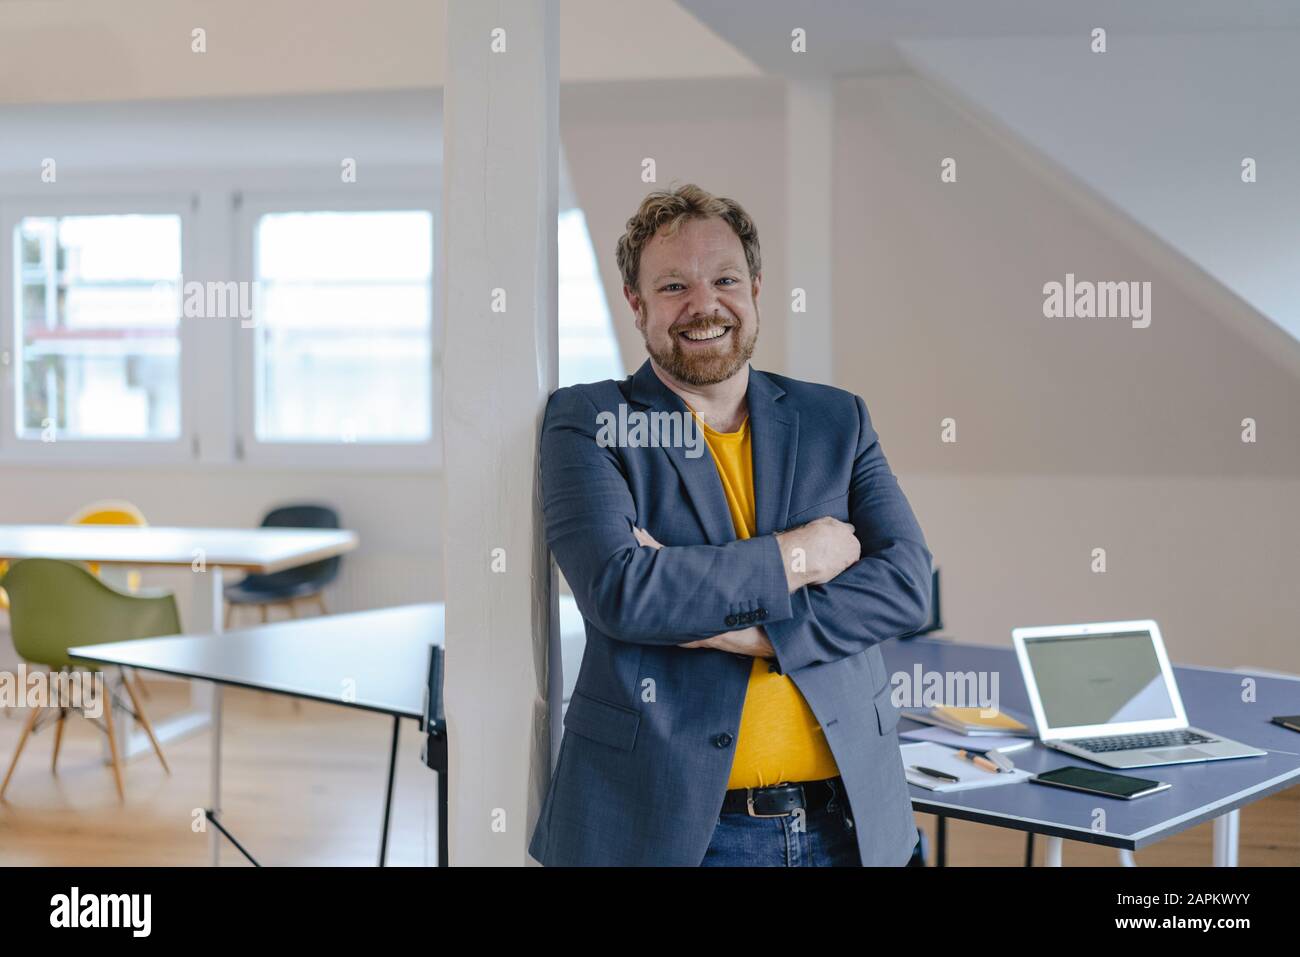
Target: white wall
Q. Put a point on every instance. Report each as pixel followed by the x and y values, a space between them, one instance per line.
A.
pixel 1071 436
pixel 724 135
pixel 108 50
pixel 939 302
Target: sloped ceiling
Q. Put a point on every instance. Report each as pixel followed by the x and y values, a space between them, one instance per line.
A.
pixel 1159 128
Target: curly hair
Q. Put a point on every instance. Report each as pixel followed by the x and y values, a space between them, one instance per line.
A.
pixel 666 210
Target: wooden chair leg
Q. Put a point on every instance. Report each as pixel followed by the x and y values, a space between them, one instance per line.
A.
pixel 139 683
pixel 112 746
pixel 320 602
pixel 230 614
pixel 58 739
pixel 263 608
pixel 22 740
pixel 144 721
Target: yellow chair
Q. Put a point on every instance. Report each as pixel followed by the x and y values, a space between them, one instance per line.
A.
pixel 111 512
pixel 97 513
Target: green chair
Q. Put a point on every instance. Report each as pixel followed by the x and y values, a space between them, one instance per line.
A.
pixel 55 605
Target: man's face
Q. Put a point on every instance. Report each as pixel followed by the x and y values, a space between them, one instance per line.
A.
pixel 697 306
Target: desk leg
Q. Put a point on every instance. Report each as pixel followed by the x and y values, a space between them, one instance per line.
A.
pixel 214 776
pixel 443 850
pixel 1227 832
pixel 1052 852
pixel 388 795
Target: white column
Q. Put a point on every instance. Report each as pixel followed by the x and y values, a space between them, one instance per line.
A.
pixel 809 133
pixel 500 108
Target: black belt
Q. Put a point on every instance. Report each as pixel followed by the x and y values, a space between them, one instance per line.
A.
pixel 780 800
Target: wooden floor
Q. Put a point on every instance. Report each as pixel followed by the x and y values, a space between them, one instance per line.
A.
pixel 306 787
pixel 299 787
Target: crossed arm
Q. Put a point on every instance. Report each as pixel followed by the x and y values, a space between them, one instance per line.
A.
pixel 750 641
pixel 827 609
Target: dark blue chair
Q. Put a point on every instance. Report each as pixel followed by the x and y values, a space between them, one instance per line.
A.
pixel 293 584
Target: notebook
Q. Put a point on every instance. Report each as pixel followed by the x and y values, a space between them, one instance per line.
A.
pixel 931 755
pixel 970 720
pixel 976 742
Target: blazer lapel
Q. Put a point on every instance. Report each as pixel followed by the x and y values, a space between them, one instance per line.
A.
pixel 775 432
pixel 699 474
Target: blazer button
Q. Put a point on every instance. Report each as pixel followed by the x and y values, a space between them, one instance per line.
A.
pixel 723 740
pixel 731 620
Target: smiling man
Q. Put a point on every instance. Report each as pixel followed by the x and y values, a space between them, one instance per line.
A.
pixel 732 708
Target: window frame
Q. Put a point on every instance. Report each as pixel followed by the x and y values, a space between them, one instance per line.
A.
pixel 18 449
pixel 250 206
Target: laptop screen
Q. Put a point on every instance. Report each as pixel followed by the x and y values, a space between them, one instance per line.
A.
pixel 1099 679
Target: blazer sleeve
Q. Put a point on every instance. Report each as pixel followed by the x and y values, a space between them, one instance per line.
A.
pixel 885 594
pixel 664 596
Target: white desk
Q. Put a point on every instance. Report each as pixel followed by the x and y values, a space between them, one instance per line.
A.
pixel 207 551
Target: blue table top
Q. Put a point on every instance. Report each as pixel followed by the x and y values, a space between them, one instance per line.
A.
pixel 1199 792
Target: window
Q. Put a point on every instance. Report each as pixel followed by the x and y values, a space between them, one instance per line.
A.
pixel 116 354
pixel 97 358
pixel 343 336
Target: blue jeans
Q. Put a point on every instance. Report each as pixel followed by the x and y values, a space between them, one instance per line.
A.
pixel 821 837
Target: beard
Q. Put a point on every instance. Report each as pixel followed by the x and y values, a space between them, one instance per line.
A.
pixel 702 367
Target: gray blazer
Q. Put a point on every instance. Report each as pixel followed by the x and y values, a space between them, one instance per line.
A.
pixel 650 730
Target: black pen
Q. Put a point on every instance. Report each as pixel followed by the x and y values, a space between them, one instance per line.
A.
pixel 930 772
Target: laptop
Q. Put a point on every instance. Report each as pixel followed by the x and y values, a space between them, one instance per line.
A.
pixel 1105 692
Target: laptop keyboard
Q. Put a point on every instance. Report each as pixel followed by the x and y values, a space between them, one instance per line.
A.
pixel 1132 742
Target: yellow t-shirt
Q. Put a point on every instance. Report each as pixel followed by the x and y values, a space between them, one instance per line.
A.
pixel 779 738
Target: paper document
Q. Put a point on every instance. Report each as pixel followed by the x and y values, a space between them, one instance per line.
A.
pixel 927 754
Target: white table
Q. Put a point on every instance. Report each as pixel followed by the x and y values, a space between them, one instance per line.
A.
pixel 207 551
pixel 374 661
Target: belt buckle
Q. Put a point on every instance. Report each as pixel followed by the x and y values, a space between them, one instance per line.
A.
pixel 749 805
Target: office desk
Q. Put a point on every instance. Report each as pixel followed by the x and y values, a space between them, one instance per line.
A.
pixel 206 551
pixel 1204 791
pixel 371 660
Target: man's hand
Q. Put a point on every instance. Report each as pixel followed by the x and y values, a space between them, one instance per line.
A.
pixel 748 641
pixel 815 553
